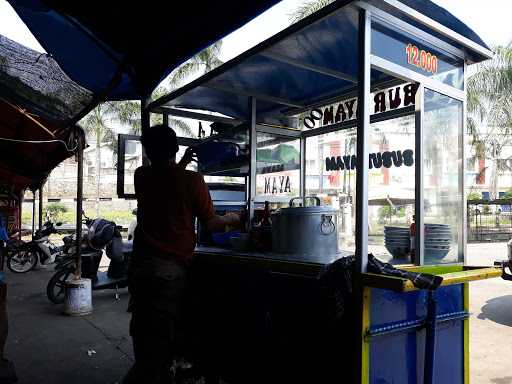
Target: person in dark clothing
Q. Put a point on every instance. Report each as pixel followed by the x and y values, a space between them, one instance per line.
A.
pixel 169 198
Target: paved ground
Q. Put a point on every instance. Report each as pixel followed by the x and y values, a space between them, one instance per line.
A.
pixel 491 320
pixel 48 347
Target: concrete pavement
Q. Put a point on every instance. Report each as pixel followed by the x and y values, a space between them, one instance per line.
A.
pixel 491 319
pixel 48 347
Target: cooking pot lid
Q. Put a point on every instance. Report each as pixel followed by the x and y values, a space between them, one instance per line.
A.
pixel 306 210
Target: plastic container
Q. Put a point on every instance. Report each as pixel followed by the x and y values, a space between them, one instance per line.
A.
pixel 78 301
pixel 223 238
pixel 214 153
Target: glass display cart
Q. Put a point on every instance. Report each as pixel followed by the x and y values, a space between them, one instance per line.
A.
pixel 363 106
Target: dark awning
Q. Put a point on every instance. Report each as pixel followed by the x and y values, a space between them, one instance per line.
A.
pixel 30 147
pixel 36 102
pixel 96 50
pixel 92 40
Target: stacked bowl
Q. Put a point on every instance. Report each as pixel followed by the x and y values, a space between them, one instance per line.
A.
pixel 437 240
pixel 397 241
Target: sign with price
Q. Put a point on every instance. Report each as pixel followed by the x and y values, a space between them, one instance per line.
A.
pixel 421 59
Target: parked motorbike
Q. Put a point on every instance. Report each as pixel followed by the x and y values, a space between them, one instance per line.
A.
pixel 24 256
pixel 133 225
pixel 506 264
pixel 101 234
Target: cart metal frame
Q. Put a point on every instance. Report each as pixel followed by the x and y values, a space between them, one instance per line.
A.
pixel 454 44
pixel 371 291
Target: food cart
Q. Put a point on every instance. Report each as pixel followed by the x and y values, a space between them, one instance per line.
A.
pixel 362 101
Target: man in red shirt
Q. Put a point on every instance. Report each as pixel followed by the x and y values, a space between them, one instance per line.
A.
pixel 169 198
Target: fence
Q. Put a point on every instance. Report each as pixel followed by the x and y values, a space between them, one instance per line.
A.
pixel 489 220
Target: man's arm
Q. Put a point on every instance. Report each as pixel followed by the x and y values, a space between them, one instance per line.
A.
pixel 188 157
pixel 206 212
pixel 218 223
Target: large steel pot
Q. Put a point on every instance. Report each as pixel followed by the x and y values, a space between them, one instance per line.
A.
pixel 310 231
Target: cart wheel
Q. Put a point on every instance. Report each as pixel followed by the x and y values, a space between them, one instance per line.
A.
pixel 55 290
pixel 22 261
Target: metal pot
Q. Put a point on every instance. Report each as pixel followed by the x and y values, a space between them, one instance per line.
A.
pixel 305 230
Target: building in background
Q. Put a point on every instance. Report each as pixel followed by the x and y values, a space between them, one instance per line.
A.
pixel 489 164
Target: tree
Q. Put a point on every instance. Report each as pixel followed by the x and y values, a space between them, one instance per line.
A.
pixel 474 196
pixel 489 102
pixel 128 112
pixel 98 124
pixel 307 8
pixel 55 210
pixel 198 65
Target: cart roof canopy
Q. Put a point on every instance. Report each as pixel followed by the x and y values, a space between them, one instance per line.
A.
pixel 313 61
pixel 126 48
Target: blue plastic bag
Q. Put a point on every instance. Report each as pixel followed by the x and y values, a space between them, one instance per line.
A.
pixel 4 236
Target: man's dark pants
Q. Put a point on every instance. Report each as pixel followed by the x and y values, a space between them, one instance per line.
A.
pixel 156 327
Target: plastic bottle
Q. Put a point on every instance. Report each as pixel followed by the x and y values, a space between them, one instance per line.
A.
pixel 266 228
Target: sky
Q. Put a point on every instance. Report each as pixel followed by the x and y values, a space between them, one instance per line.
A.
pixel 489 19
pixel 495 28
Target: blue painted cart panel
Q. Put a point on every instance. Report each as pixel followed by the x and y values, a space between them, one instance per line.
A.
pixel 399 357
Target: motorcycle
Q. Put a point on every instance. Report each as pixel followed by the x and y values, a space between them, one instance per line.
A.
pixel 133 225
pixel 24 256
pixel 101 235
pixel 506 264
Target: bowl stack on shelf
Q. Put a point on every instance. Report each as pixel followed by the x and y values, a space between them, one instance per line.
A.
pixel 397 241
pixel 438 238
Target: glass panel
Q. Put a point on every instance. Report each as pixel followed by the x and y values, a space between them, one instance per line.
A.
pixel 224 156
pixel 383 100
pixel 132 160
pixel 224 179
pixel 415 54
pixel 278 168
pixel 391 189
pixel 331 175
pixel 442 159
pixel 335 186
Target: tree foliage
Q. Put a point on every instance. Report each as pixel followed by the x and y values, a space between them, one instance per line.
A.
pixel 198 65
pixel 54 211
pixel 474 196
pixel 489 103
pixel 101 121
pixel 307 8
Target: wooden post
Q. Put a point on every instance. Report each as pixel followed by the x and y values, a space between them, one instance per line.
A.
pixel 79 197
pixel 145 122
pixel 33 212
pixel 41 207
pixel 20 206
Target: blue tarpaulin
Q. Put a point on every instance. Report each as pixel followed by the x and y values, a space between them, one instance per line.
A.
pixel 145 41
pixel 116 49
